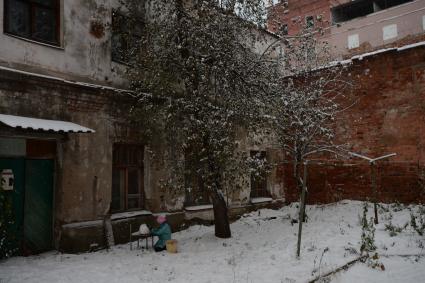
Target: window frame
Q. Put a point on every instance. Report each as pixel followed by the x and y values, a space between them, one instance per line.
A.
pixel 284 29
pixel 198 194
pixel 116 166
pixel 121 58
pixel 32 5
pixel 258 188
pixel 309 22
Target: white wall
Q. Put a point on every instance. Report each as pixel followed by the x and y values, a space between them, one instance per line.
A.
pixel 380 28
pixel 82 56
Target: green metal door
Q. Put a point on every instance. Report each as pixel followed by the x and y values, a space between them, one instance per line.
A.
pixel 38 211
pixel 16 196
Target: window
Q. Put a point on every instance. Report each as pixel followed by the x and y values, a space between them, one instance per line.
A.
pixel 362 8
pixel 259 180
pixel 126 35
pixel 309 22
pixel 127 178
pixel 196 193
pixel 283 29
pixel 38 20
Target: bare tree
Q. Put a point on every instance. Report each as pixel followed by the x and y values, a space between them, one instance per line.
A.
pixel 305 111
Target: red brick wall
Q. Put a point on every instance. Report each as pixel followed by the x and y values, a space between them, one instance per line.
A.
pixel 297 11
pixel 396 182
pixel 388 116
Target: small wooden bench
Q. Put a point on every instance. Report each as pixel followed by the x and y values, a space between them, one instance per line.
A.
pixel 138 236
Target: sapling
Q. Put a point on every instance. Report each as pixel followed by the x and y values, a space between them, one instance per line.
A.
pixel 368 233
pixel 368 241
pixel 417 222
pixel 394 229
pixel 6 222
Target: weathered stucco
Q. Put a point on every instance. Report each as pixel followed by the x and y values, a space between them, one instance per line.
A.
pixel 44 81
pixel 85 50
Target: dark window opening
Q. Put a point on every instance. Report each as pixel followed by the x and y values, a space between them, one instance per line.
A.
pixel 37 20
pixel 283 29
pixel 362 8
pixel 127 178
pixel 259 180
pixel 196 193
pixel 309 22
pixel 126 37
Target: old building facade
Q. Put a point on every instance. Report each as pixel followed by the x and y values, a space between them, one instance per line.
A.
pixel 58 66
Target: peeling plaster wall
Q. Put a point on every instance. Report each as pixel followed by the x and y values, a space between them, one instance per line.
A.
pixel 84 174
pixel 85 51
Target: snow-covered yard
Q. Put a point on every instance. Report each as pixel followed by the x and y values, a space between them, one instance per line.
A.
pixel 262 249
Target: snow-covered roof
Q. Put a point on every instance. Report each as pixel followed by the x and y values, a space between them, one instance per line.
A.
pixel 42 124
pixel 379 51
pixel 361 56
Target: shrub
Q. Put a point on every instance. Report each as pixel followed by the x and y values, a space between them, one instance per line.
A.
pixel 6 220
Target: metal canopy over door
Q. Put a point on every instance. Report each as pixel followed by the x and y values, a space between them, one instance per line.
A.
pixel 38 211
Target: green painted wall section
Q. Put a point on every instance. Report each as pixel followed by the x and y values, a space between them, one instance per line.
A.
pixel 32 200
pixel 38 211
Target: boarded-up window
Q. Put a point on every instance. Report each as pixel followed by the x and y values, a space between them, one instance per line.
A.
pixel 34 19
pixel 127 178
pixel 259 179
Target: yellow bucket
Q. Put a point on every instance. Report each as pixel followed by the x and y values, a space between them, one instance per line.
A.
pixel 171 246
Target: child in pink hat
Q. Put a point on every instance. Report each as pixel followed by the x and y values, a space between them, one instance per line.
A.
pixel 163 232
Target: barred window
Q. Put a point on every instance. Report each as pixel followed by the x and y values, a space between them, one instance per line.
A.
pixel 127 178
pixel 196 193
pixel 259 181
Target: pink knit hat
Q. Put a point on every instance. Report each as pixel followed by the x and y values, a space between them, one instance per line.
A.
pixel 161 219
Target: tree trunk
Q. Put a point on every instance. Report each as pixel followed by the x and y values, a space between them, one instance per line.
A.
pixel 374 190
pixel 302 210
pixel 297 174
pixel 221 218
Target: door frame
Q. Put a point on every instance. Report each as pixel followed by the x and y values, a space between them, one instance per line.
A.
pixel 59 139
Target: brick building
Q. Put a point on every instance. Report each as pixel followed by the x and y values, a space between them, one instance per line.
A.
pixel 352 27
pixel 382 43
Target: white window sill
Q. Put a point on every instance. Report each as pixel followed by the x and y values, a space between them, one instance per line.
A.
pixel 129 214
pixel 59 47
pixel 199 207
pixel 260 200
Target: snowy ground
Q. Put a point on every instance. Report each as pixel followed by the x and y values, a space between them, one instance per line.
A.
pixel 262 249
